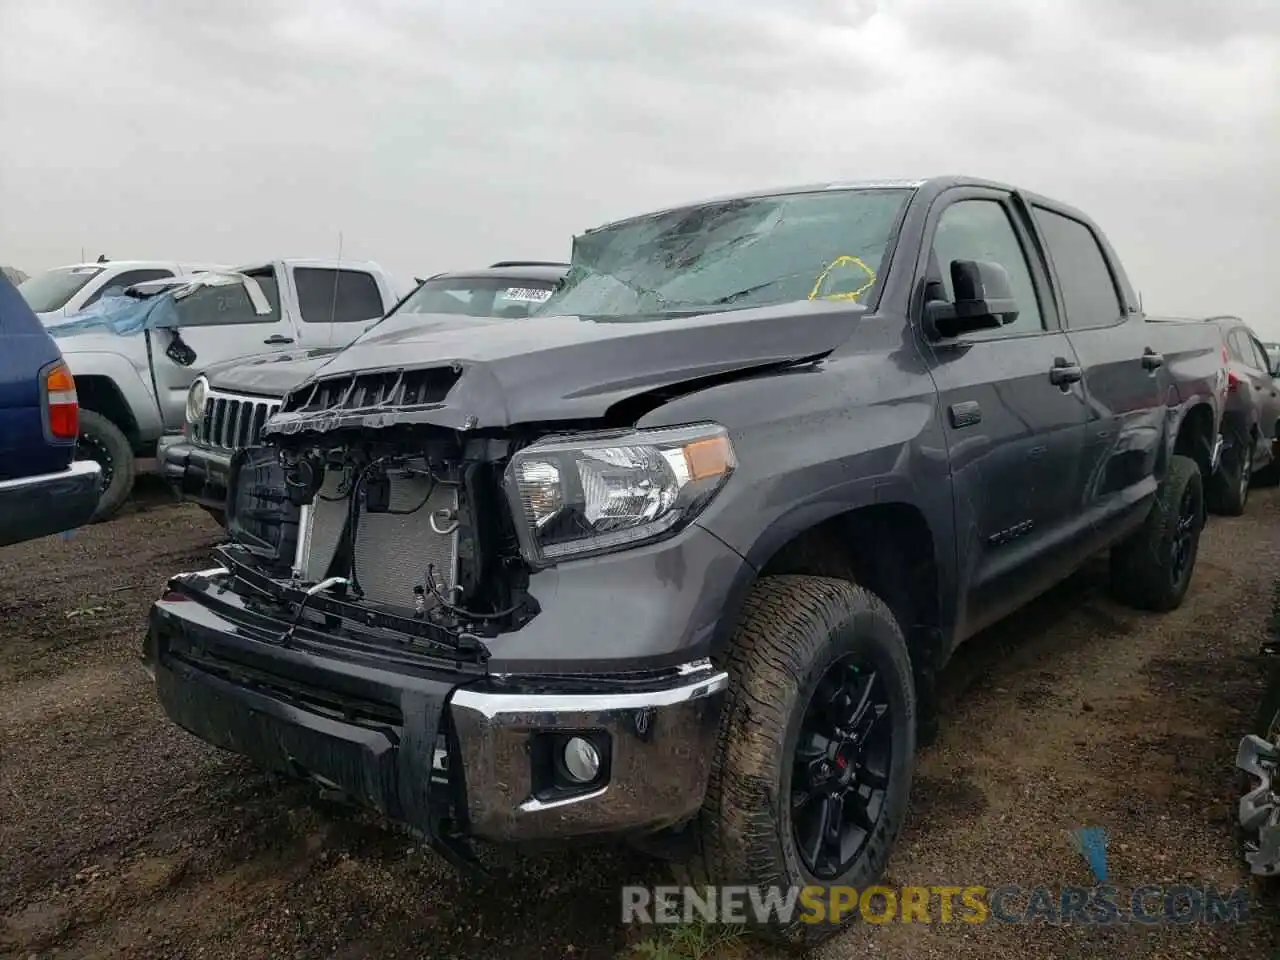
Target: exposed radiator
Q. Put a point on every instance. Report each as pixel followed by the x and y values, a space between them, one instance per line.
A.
pixel 393 550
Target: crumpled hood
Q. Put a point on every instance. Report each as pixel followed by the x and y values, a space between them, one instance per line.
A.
pixel 268 374
pixel 507 372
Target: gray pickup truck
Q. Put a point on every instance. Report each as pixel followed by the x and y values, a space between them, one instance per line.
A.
pixel 679 558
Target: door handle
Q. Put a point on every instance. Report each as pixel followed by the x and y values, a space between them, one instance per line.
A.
pixel 276 339
pixel 1151 360
pixel 1063 373
pixel 964 414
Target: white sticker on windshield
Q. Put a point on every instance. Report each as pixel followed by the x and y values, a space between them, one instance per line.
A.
pixel 526 294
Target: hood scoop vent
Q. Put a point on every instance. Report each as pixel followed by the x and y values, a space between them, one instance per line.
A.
pixel 368 391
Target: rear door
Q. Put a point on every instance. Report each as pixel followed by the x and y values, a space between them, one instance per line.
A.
pixel 335 305
pixel 1013 412
pixel 1125 377
pixel 219 323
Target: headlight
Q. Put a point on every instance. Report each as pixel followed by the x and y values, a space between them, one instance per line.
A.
pixel 600 492
pixel 195 400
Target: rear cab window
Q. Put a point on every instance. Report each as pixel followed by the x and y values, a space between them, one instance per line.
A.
pixel 337 296
pixel 1088 287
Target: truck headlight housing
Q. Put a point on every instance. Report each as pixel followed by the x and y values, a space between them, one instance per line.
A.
pixel 195 400
pixel 594 493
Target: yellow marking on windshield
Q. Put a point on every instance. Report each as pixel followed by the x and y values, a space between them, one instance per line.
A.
pixel 814 294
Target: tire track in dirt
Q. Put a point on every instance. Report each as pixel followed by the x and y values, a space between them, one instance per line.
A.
pixel 121 836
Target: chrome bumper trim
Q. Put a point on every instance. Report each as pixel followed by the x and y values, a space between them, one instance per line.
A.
pixel 661 744
pixel 77 469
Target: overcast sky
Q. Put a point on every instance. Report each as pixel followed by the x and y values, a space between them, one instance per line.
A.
pixel 438 134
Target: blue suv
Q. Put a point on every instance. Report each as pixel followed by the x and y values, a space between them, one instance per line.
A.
pixel 43 488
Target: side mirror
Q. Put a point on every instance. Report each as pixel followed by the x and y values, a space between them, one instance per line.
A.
pixel 983 301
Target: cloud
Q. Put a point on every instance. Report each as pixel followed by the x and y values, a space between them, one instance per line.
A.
pixel 443 135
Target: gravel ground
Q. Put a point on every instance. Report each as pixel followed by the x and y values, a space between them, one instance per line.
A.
pixel 121 836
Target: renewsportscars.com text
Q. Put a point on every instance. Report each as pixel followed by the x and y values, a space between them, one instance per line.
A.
pixel 1149 904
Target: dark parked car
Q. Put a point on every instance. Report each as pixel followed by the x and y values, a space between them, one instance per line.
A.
pixel 681 556
pixel 43 488
pixel 1251 420
pixel 229 403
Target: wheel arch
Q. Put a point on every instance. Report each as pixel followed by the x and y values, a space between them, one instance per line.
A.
pixel 1194 437
pixel 888 547
pixel 101 395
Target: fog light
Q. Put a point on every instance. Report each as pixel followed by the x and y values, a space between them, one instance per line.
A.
pixel 581 759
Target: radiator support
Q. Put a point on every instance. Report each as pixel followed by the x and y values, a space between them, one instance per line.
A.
pixel 393 550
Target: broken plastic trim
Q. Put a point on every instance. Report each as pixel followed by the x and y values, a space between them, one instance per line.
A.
pixel 183 287
pixel 1260 808
pixel 447 643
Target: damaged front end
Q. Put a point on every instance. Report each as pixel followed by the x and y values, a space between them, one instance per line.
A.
pixel 441 526
pixel 376 557
pixel 465 583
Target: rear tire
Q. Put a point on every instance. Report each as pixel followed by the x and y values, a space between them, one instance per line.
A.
pixel 102 441
pixel 1152 569
pixel 805 648
pixel 1229 487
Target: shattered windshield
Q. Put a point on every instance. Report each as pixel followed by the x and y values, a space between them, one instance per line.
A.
pixel 825 245
pixel 49 291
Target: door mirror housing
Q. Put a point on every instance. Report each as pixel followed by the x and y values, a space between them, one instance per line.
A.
pixel 983 301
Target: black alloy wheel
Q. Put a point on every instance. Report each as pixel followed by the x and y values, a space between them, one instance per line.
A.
pixel 1183 545
pixel 840 772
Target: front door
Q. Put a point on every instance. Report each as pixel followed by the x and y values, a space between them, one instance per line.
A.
pixel 219 323
pixel 1013 412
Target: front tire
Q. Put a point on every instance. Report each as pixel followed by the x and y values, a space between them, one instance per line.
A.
pixel 1152 569
pixel 811 777
pixel 102 441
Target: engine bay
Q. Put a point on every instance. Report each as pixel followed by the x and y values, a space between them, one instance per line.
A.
pixel 414 525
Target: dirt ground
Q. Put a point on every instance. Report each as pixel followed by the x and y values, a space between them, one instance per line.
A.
pixel 122 836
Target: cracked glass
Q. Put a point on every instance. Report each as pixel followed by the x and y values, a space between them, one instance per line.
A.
pixel 734 254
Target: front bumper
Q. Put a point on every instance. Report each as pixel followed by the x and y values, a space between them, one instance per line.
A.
pixel 196 473
pixel 432 744
pixel 33 507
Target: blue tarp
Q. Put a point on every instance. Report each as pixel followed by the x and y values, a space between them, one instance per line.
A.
pixel 123 316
